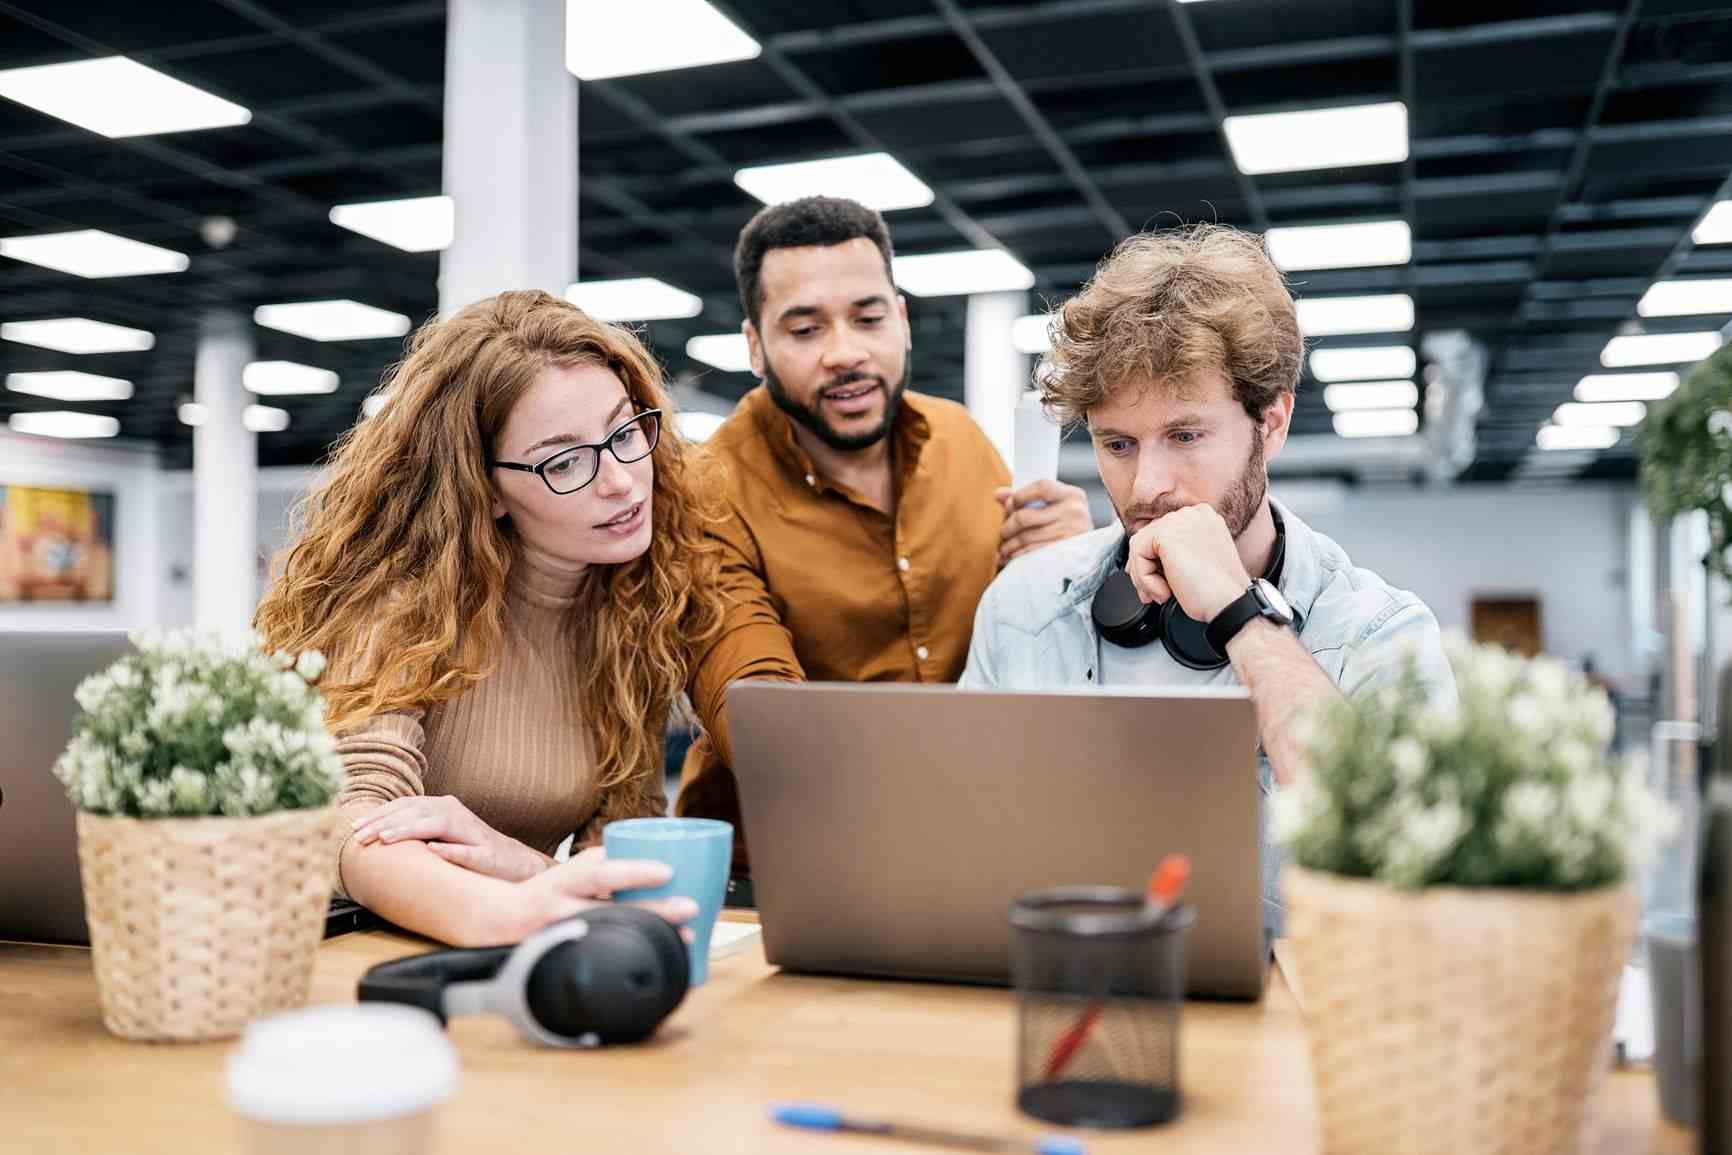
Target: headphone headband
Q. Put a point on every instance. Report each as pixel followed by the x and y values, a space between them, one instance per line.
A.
pixel 420 979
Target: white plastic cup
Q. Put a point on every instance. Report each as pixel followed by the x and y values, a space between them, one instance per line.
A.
pixel 1034 447
pixel 342 1080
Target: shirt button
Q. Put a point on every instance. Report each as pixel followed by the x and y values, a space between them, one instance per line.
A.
pixel 923 653
pixel 810 480
pixel 902 564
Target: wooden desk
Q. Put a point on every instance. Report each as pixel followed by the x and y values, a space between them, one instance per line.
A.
pixel 751 1036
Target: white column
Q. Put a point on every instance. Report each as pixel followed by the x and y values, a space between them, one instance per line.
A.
pixel 225 464
pixel 1647 642
pixel 510 160
pixel 994 374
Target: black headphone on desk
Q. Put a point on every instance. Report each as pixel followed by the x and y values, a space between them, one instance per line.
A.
pixel 1122 618
pixel 609 975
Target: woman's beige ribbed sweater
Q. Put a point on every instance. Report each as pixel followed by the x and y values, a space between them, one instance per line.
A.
pixel 512 748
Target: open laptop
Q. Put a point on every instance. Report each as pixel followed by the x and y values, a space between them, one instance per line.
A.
pixel 41 896
pixel 892 826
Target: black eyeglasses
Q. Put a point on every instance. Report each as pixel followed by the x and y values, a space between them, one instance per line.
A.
pixel 571 469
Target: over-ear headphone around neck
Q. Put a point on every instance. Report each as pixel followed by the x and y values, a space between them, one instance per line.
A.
pixel 1122 618
pixel 609 975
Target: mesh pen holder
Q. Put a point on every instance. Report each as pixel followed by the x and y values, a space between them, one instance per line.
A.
pixel 1099 974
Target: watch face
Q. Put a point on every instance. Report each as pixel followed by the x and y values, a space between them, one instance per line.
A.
pixel 1275 600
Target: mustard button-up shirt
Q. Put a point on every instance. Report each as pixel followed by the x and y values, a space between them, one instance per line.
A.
pixel 822 586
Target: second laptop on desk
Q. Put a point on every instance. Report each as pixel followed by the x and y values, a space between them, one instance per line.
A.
pixel 891 826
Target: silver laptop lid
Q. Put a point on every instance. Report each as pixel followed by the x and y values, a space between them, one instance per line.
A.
pixel 891 826
pixel 41 899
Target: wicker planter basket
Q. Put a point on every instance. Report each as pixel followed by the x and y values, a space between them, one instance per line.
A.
pixel 198 925
pixel 1456 1022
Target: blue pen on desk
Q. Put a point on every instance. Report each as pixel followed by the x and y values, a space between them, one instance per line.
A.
pixel 817 1117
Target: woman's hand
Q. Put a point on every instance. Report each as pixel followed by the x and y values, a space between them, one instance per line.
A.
pixel 588 880
pixel 453 832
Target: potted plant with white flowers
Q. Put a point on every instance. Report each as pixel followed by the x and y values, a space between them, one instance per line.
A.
pixel 204 780
pixel 1460 907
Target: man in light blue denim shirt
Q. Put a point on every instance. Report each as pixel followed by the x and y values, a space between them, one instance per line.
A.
pixel 1182 355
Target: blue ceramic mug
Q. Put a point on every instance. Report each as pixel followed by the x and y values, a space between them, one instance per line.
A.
pixel 701 851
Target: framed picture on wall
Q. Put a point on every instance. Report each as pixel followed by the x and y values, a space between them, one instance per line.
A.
pixel 56 545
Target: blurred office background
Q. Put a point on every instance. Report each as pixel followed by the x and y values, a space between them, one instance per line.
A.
pixel 1537 188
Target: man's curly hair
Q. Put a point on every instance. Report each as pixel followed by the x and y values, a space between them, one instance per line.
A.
pixel 1165 304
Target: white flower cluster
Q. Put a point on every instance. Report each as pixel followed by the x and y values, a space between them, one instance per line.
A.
pixel 193 724
pixel 1513 786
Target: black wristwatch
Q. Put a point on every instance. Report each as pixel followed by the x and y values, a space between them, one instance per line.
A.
pixel 1261 600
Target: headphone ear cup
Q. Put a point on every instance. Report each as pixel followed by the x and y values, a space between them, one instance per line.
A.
pixel 1186 639
pixel 618 982
pixel 1120 615
pixel 663 936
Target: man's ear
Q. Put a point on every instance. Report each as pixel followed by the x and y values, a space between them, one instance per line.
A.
pixel 754 347
pixel 1277 423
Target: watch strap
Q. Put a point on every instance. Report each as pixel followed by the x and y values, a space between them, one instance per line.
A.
pixel 1239 612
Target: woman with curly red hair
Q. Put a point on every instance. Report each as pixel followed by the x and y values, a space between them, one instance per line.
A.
pixel 506 570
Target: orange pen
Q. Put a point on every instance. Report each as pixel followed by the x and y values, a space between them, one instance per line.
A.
pixel 1166 886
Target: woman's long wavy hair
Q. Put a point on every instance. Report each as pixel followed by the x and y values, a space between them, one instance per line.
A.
pixel 399 568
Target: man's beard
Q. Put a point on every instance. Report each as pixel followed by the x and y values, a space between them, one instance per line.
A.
pixel 1237 507
pixel 813 420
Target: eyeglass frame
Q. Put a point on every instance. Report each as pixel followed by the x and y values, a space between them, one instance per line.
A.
pixel 540 467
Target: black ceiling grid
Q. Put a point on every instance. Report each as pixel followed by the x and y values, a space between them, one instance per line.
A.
pixel 1561 151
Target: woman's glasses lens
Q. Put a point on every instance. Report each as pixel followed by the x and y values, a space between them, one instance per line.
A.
pixel 572 470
